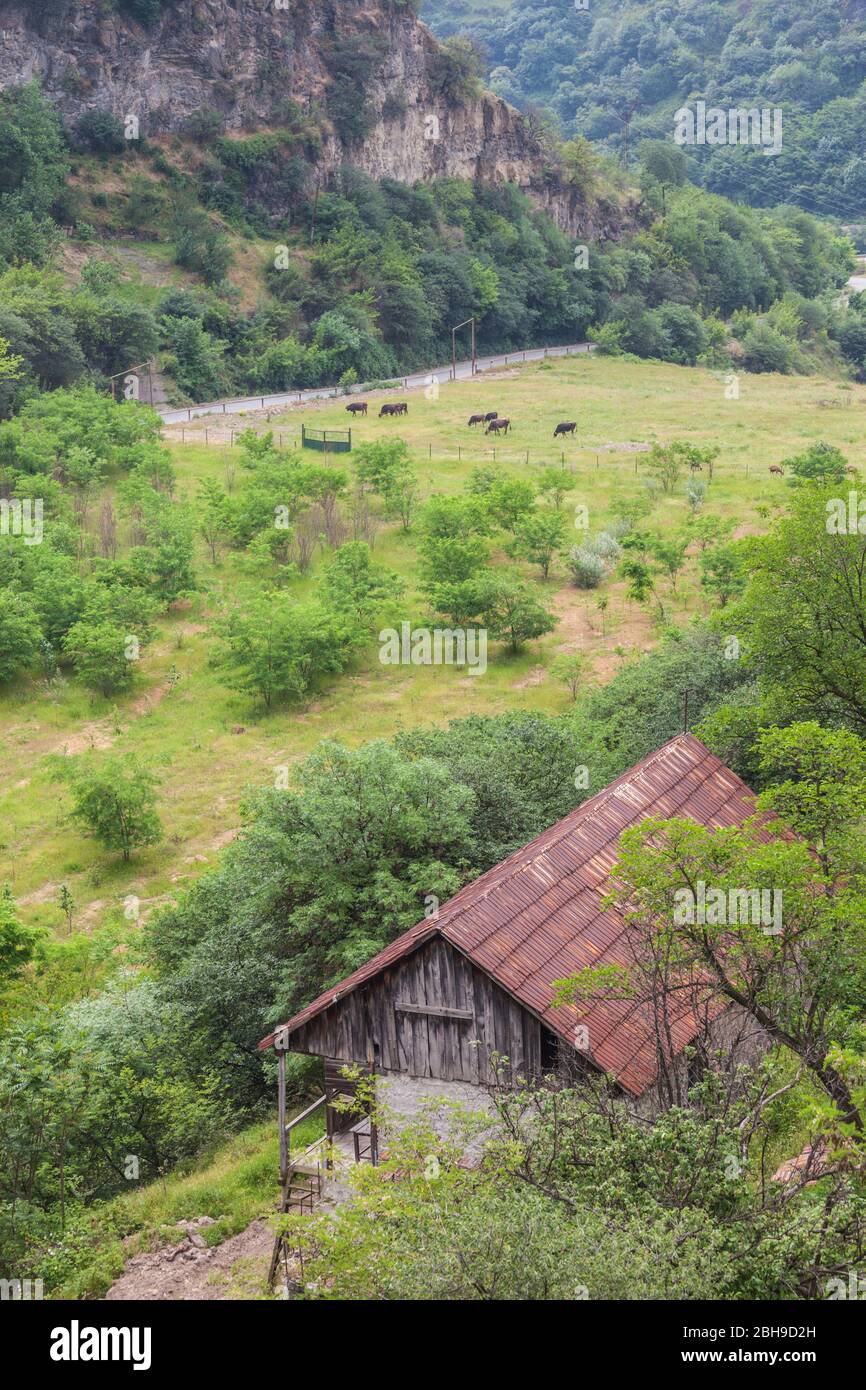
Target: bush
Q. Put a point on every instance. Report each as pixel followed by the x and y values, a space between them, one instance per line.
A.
pixel 587 568
pixel 766 350
pixel 100 131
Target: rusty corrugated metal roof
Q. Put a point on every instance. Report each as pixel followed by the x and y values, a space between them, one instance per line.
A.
pixel 538 916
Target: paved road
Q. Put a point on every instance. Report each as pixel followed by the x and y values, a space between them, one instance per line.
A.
pixel 414 381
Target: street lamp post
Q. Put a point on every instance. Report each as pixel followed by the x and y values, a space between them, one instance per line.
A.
pixel 454 331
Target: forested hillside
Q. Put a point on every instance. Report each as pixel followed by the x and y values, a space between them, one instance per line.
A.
pixel 220 259
pixel 590 66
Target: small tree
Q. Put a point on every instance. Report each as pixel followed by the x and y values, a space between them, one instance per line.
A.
pixel 569 668
pixel 274 648
pixel 103 655
pixel 115 802
pixel 510 612
pixel 19 634
pixel 722 572
pixel 669 553
pixel 214 515
pixel 554 484
pixel 66 903
pixel 540 535
pixel 510 501
pixel 353 584
pixel 17 942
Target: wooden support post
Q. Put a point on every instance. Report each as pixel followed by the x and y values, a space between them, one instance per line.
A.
pixel 281 1111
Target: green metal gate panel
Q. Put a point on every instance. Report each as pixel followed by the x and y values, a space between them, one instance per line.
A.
pixel 327 441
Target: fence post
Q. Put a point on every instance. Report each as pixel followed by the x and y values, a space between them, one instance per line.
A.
pixel 205 434
pixel 429 451
pixel 458 453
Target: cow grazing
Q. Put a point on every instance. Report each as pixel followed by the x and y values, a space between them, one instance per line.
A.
pixel 387 410
pixel 776 468
pixel 497 426
pixel 491 415
pixel 357 408
pixel 401 408
pixel 565 427
pixel 475 420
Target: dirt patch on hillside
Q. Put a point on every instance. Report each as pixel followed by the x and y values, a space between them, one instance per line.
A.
pixel 98 735
pixel 190 1269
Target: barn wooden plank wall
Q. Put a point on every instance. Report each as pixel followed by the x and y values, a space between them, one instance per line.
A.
pixel 432 1014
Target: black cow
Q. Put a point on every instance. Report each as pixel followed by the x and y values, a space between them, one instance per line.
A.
pixel 566 427
pixel 357 408
pixel 387 410
pixel 491 415
pixel 475 420
pixel 496 425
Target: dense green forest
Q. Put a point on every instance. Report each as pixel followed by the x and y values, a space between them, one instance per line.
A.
pixel 591 65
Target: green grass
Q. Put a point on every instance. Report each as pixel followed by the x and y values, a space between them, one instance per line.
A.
pixel 234 1185
pixel 187 734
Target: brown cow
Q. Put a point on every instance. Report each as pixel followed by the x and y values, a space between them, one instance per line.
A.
pixel 401 408
pixel 496 425
pixel 475 420
pixel 776 468
pixel 566 427
pixel 357 407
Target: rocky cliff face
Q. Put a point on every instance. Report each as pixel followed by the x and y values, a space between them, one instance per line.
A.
pixel 244 58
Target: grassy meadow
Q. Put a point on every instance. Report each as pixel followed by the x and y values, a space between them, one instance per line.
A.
pixel 209 744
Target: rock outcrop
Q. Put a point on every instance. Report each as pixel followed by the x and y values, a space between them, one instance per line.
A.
pixel 243 59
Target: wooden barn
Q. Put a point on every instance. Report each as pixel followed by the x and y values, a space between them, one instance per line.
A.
pixel 478 978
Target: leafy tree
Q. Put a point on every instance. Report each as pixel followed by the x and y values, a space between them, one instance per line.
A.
pixel 18 944
pixel 570 668
pixel 722 572
pixel 19 633
pixel 555 484
pixel 102 654
pixel 115 800
pixel 505 606
pixel 539 537
pixel 511 500
pixel 275 648
pixel 802 613
pixel 214 514
pixel 819 463
pixel 352 583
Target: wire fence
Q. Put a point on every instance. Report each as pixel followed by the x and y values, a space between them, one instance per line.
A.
pixel 622 458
